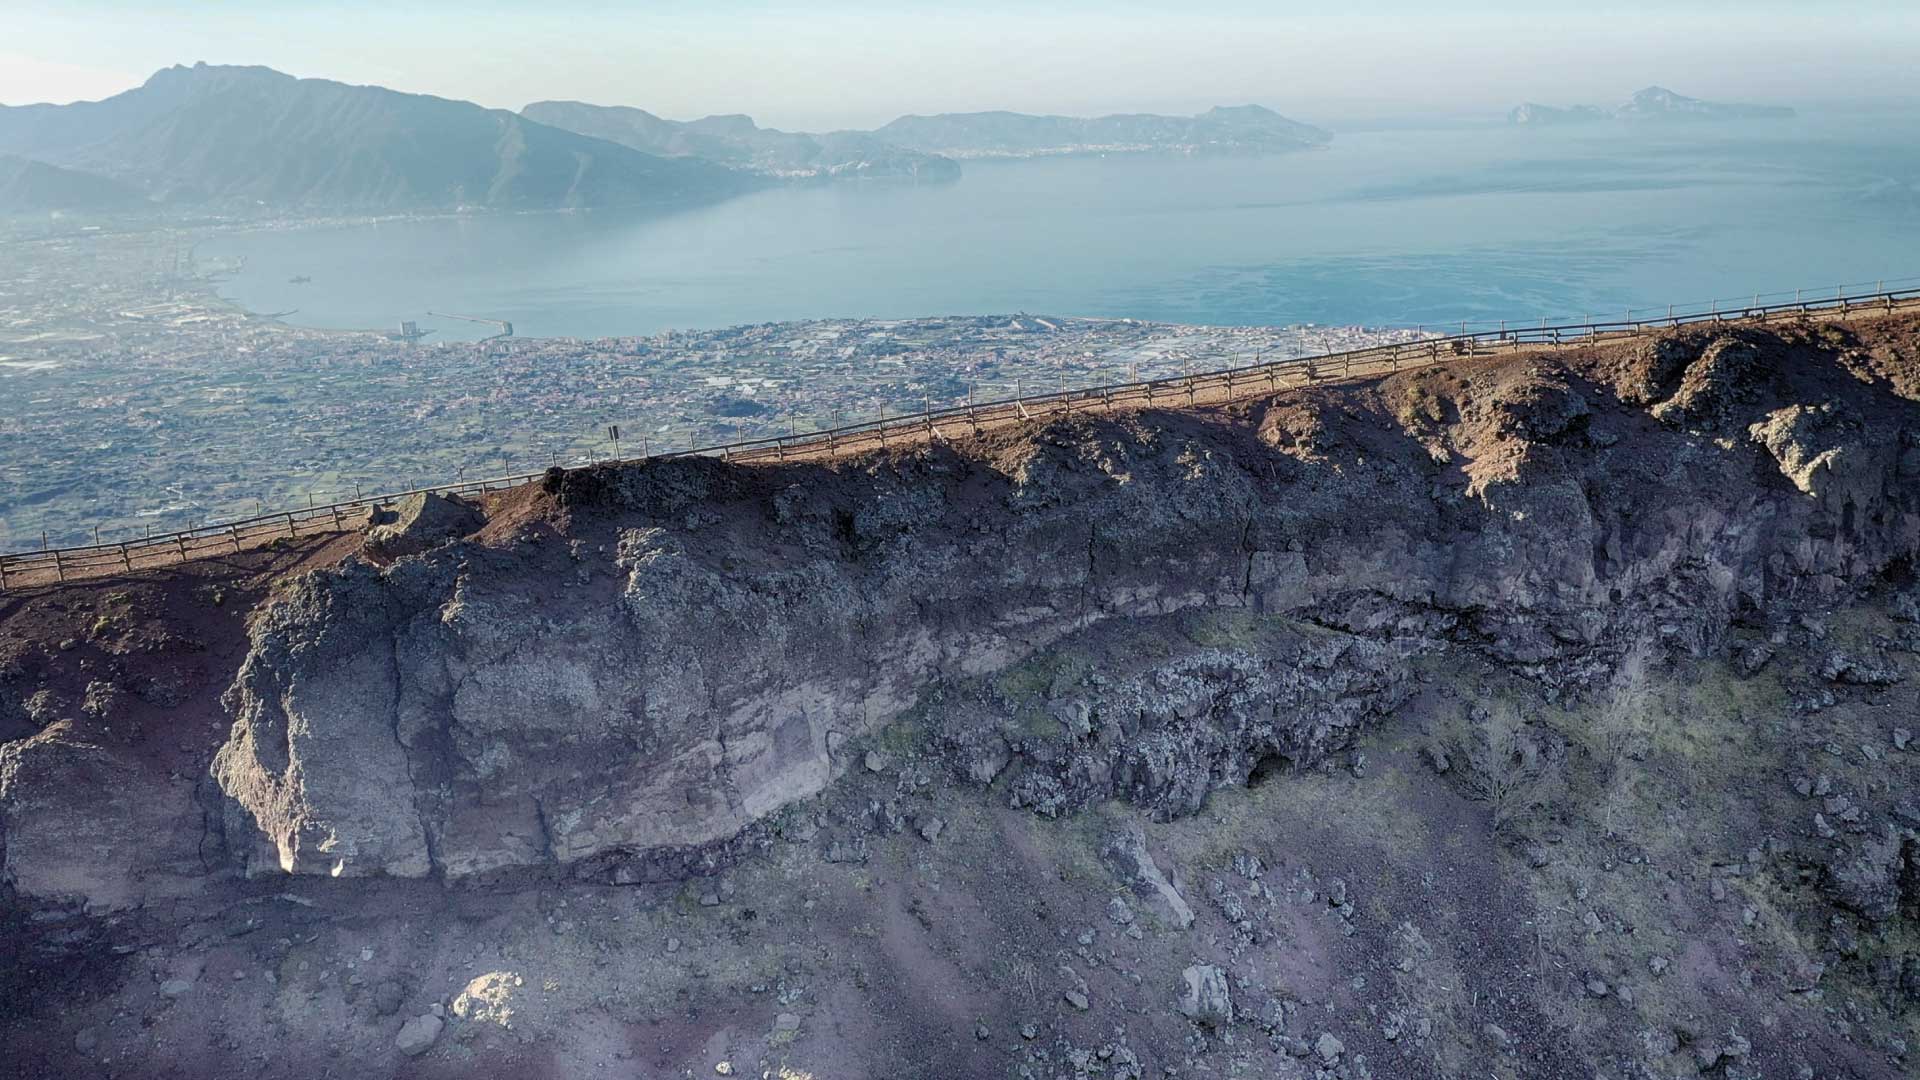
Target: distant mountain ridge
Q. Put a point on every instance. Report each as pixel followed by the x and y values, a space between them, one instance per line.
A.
pixel 254 135
pixel 738 142
pixel 1244 129
pixel 31 187
pixel 234 137
pixel 1652 105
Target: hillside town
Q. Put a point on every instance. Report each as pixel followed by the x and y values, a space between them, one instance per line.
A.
pixel 134 400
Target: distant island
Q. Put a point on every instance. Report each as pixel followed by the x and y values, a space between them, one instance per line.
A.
pixel 1244 129
pixel 1652 105
pixel 738 142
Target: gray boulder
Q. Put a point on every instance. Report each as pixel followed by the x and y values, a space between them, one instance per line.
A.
pixel 417 1035
pixel 1328 1048
pixel 1870 880
pixel 419 523
pixel 1126 853
pixel 1728 374
pixel 1858 670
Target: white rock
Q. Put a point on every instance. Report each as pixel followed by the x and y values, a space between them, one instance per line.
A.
pixel 1207 997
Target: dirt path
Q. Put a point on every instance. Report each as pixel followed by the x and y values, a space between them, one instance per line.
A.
pixel 37 569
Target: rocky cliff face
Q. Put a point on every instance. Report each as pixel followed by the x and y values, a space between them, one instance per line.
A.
pixel 674 651
pixel 1538 714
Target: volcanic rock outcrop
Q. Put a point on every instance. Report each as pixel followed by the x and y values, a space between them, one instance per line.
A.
pixel 1533 714
pixel 684 656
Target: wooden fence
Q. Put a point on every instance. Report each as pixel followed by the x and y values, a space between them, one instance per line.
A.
pixel 60 564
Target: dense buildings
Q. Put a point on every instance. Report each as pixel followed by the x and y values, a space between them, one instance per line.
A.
pixel 132 398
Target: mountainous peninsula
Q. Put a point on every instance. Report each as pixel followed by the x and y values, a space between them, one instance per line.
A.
pixel 736 141
pixel 252 136
pixel 1655 104
pixel 1244 129
pixel 34 187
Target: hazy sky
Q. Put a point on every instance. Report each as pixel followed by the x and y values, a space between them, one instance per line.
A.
pixel 860 62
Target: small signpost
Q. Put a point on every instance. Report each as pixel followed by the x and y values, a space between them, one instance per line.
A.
pixel 613 433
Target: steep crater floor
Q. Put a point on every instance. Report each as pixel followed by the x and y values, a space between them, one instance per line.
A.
pixel 1535 715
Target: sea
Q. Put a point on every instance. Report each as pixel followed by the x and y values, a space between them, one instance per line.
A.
pixel 1476 222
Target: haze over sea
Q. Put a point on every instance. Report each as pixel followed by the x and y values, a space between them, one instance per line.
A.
pixel 1383 228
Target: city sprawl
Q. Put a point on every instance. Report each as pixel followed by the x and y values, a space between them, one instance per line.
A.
pixel 134 400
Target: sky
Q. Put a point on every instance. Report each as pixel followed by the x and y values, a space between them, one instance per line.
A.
pixel 858 63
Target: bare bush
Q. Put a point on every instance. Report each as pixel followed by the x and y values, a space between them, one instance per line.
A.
pixel 1516 766
pixel 1623 732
